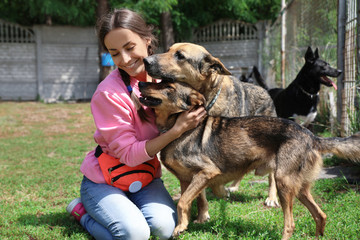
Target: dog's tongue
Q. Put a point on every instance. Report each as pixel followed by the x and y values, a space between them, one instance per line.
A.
pixel 328 80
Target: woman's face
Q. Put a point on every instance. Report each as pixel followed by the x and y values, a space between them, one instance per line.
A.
pixel 128 50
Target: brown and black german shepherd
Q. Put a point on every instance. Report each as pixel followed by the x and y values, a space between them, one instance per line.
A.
pixel 221 149
pixel 225 94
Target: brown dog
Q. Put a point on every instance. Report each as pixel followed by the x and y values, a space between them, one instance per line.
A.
pixel 223 149
pixel 226 95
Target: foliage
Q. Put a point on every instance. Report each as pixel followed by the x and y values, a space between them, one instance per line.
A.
pixel 186 14
pixel 30 12
pixel 189 14
pixel 354 116
pixel 149 9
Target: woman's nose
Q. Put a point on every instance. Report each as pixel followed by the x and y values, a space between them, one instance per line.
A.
pixel 125 58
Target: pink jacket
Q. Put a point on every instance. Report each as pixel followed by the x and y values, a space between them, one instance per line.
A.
pixel 119 130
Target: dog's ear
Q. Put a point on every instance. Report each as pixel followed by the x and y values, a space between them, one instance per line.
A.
pixel 210 64
pixel 309 55
pixel 195 99
pixel 316 53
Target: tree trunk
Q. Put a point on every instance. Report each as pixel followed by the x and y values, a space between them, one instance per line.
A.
pixel 167 31
pixel 101 9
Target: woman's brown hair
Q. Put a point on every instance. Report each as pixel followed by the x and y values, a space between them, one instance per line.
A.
pixel 125 18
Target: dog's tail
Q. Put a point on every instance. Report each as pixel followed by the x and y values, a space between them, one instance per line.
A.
pixel 259 79
pixel 347 148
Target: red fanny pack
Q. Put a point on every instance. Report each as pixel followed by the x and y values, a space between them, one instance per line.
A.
pixel 128 179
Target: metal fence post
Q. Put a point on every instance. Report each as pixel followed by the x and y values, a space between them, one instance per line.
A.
pixel 357 75
pixel 39 69
pixel 340 54
pixel 283 40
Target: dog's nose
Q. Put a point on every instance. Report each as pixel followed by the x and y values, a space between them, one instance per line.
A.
pixel 146 62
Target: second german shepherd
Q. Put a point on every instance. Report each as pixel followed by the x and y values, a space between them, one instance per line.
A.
pixel 221 149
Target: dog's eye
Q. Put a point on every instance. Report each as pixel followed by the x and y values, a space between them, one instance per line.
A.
pixel 179 55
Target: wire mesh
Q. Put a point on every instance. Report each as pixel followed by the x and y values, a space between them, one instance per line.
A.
pixel 314 23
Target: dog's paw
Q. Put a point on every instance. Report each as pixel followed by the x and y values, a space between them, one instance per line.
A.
pixel 272 203
pixel 178 230
pixel 232 189
pixel 202 218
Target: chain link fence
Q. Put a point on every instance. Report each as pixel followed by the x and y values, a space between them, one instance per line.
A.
pixel 315 24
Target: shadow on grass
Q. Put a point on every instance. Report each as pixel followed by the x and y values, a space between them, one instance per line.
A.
pixel 63 221
pixel 229 227
pixel 240 197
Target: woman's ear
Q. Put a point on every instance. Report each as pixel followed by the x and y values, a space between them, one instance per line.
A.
pixel 148 41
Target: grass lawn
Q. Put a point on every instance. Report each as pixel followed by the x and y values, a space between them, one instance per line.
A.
pixel 43 145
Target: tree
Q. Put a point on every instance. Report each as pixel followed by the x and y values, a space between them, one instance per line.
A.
pixel 166 27
pixel 190 14
pixel 59 12
pixel 185 15
pixel 101 9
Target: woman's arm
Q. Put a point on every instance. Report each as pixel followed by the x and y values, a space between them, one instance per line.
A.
pixel 186 121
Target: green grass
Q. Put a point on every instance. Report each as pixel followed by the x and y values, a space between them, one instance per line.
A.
pixel 43 145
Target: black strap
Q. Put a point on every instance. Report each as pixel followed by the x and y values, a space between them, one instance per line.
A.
pixel 128 173
pixel 98 151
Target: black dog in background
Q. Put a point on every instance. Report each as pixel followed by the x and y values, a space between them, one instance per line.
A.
pixel 301 97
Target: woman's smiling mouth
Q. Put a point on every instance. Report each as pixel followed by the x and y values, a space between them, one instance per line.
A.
pixel 129 66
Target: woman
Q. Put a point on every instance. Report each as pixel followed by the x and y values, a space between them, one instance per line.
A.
pixel 126 131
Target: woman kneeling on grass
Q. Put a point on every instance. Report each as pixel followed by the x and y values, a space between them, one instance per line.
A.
pixel 124 205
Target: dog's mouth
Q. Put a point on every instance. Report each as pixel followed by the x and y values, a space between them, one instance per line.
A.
pixel 327 82
pixel 150 101
pixel 164 78
pixel 167 79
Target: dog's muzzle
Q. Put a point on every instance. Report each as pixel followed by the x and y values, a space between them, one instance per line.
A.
pixel 151 66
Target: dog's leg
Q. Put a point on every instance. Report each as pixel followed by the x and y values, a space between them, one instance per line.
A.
pixel 235 185
pixel 198 184
pixel 183 186
pixel 271 200
pixel 202 204
pixel 286 196
pixel 220 191
pixel 203 208
pixel 319 216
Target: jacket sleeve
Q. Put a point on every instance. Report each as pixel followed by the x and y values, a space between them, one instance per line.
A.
pixel 115 121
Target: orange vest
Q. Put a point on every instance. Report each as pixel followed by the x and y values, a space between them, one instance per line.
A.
pixel 128 179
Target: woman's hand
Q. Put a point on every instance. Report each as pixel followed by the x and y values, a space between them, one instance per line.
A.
pixel 185 121
pixel 189 120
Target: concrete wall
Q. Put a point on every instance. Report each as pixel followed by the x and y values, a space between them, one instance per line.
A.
pixel 18 71
pixel 62 64
pixel 238 56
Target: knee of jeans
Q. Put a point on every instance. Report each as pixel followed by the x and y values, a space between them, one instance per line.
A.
pixel 162 228
pixel 130 231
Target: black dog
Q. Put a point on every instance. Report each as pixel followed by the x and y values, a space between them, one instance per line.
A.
pixel 248 78
pixel 301 97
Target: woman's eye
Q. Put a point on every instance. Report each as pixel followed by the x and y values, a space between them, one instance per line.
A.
pixel 179 55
